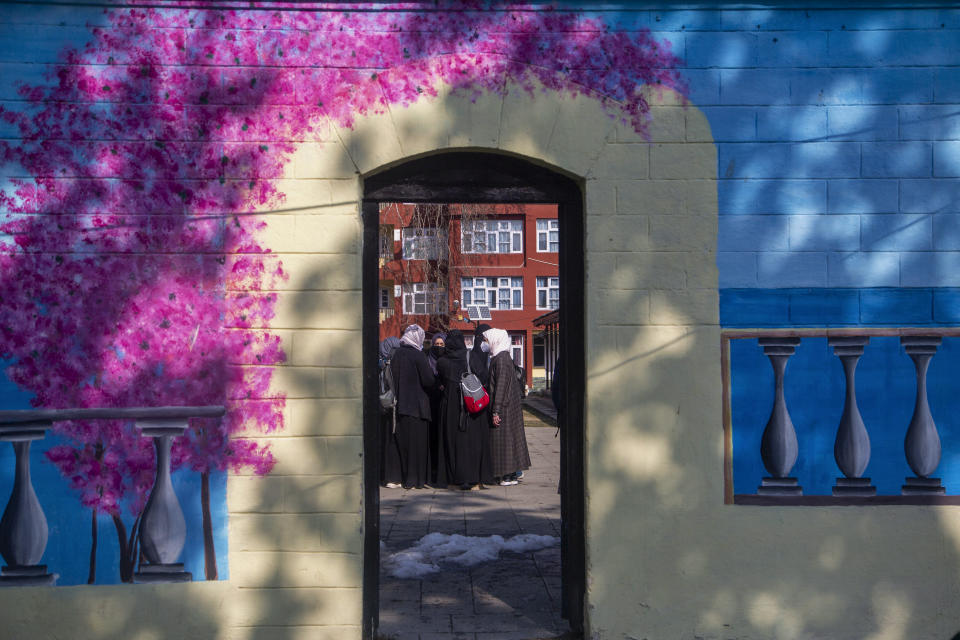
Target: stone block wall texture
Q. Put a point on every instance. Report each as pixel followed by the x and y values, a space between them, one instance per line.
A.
pixel 811 180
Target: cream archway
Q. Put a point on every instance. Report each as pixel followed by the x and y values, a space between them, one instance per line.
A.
pixel 651 286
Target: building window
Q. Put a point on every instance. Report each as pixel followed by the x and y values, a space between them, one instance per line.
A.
pixel 424 298
pixel 503 294
pixel 548 293
pixel 516 349
pixel 478 291
pixel 492 236
pixel 548 236
pixel 385 300
pixel 539 352
pixel 386 241
pixel 424 243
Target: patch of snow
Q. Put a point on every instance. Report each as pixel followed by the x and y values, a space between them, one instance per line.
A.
pixel 426 556
pixel 529 542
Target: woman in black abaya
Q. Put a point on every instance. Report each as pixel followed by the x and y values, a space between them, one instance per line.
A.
pixel 413 380
pixel 480 356
pixel 464 451
pixel 390 451
pixel 436 350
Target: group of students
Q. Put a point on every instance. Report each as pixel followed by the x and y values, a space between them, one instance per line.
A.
pixel 430 437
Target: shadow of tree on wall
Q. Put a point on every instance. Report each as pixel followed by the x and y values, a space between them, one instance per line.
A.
pixel 768 572
pixel 660 488
pixel 131 234
pixel 827 112
pixel 809 572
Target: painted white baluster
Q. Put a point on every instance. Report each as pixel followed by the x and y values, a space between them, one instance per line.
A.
pixel 23 528
pixel 778 446
pixel 851 449
pixel 163 530
pixel 922 442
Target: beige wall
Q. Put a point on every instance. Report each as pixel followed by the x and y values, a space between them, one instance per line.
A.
pixel 666 558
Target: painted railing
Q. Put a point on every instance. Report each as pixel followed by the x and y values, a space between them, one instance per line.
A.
pixel 162 534
pixel 778 447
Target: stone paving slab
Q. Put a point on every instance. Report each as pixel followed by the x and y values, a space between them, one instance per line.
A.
pixel 516 597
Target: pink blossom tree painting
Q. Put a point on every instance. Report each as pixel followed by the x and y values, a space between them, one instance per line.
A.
pixel 132 269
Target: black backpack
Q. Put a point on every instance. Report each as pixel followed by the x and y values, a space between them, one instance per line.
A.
pixel 388 395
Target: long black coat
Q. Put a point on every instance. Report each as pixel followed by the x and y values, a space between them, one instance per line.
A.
pixel 413 380
pixel 479 360
pixel 464 448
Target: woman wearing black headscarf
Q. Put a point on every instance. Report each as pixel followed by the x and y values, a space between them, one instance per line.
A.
pixel 480 359
pixel 464 451
pixel 436 350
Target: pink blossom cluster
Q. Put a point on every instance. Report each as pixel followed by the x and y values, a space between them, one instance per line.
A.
pixel 105 462
pixel 131 270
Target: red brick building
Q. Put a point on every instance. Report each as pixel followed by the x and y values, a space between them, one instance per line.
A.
pixel 454 266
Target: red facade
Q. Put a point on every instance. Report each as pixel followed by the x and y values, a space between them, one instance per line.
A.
pixel 501 252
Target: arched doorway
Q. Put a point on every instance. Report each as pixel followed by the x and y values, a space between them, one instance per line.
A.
pixel 483 178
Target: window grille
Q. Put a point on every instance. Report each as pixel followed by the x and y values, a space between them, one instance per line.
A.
pixel 492 236
pixel 548 292
pixel 424 243
pixel 548 236
pixel 424 298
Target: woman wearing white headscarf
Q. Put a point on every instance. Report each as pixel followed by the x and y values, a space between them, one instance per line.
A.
pixel 413 380
pixel 508 442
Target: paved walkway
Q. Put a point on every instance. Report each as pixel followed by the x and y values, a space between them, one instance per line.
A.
pixel 516 597
pixel 542 407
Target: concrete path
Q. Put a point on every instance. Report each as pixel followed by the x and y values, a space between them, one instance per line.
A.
pixel 516 597
pixel 542 407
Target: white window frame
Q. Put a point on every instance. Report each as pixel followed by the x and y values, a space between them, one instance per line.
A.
pixel 491 289
pixel 478 291
pixel 517 348
pixel 490 236
pixel 424 243
pixel 547 285
pixel 548 235
pixel 427 296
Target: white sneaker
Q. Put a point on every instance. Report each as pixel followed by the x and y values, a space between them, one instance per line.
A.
pixel 392 485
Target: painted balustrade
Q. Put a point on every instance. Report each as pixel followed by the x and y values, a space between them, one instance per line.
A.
pixel 23 527
pixel 779 445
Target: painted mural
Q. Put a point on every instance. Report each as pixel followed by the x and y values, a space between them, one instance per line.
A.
pixel 815 394
pixel 131 270
pixel 138 146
